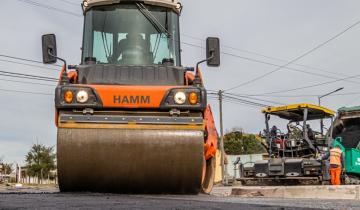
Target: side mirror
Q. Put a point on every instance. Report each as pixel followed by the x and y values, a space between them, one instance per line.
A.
pixel 213 50
pixel 49 48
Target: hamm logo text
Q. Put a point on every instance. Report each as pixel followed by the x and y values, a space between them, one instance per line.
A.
pixel 131 99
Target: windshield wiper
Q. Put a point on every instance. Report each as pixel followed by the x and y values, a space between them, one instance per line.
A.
pixel 152 19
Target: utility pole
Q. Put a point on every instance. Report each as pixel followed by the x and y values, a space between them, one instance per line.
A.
pixel 321 120
pixel 19 179
pixel 319 98
pixel 222 159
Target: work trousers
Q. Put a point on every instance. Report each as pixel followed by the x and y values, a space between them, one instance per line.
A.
pixel 335 174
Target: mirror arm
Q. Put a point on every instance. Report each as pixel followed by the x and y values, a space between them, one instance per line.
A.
pixel 197 80
pixel 64 77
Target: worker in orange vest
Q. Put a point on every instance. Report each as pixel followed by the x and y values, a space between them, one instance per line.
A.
pixel 337 160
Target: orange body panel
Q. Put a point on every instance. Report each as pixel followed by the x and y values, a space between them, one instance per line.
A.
pixel 62 71
pixel 56 112
pixel 120 96
pixel 72 75
pixel 156 94
pixel 210 145
pixel 189 77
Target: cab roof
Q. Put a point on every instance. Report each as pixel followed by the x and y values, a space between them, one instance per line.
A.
pixel 172 4
pixel 294 112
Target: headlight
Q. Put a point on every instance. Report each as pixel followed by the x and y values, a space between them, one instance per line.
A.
pixel 186 98
pixel 193 98
pixel 68 96
pixel 82 96
pixel 73 96
pixel 180 98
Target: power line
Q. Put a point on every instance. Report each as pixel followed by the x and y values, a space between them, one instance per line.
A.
pixel 25 64
pixel 235 102
pixel 26 59
pixel 241 100
pixel 27 76
pixel 297 58
pixel 27 92
pixel 306 96
pixel 50 7
pixel 271 64
pixel 24 82
pixel 289 68
pixel 244 96
pixel 254 60
pixel 225 53
pixel 268 57
pixel 256 99
pixel 250 59
pixel 22 77
pixel 280 66
pixel 305 87
pixel 247 101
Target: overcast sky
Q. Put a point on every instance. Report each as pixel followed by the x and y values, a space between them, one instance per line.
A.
pixel 270 31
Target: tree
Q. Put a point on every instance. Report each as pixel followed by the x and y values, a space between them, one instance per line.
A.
pixel 237 143
pixel 5 168
pixel 40 161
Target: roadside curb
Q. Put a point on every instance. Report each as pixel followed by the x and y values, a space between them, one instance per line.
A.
pixel 313 192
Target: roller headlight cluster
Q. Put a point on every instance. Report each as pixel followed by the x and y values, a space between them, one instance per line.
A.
pixel 185 98
pixel 72 96
pixel 82 96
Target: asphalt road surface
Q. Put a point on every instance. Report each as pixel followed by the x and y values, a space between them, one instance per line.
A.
pixel 17 200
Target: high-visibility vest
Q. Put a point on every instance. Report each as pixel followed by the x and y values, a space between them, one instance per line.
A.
pixel 335 156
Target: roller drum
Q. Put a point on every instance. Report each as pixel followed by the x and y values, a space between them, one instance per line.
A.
pixel 130 160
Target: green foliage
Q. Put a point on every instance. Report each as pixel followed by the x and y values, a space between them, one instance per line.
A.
pixel 6 168
pixel 40 160
pixel 238 143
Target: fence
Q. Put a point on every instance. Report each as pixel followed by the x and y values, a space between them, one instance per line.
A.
pixel 234 171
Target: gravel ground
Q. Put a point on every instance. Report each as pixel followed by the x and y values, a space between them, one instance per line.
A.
pixel 106 201
pixel 111 201
pixel 48 197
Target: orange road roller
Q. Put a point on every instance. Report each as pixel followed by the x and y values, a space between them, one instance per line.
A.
pixel 130 118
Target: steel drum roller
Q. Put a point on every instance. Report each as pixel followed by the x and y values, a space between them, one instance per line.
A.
pixel 130 160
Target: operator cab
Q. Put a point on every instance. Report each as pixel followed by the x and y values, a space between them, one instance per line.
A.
pixel 131 43
pixel 298 139
pixel 131 34
pixel 134 43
